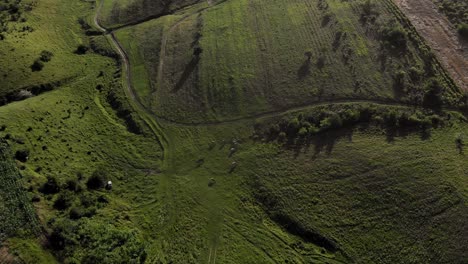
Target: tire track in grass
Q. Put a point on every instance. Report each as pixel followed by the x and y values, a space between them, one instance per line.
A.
pixel 140 109
pixel 146 114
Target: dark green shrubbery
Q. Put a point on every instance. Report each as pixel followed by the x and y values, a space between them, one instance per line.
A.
pixel 97 180
pixel 433 96
pixel 100 242
pixel 81 49
pixel 46 56
pixel 22 155
pixel 63 201
pixel 394 37
pixel 463 30
pixel 37 65
pixel 123 109
pixel 12 11
pixel 455 10
pixel 51 186
pixel 306 125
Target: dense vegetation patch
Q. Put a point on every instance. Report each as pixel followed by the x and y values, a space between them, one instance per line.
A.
pixel 301 127
pixel 463 30
pixel 17 216
pixel 11 12
pixel 89 242
pixel 455 10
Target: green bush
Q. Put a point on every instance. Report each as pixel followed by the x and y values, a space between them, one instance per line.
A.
pixel 22 155
pixel 51 186
pixel 62 202
pixel 97 180
pixel 46 56
pixel 433 96
pixel 394 36
pixel 37 65
pixel 76 213
pixel 89 241
pixel 81 49
pixel 463 30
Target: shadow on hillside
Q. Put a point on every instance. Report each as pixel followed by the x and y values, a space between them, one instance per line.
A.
pixel 391 133
pixel 189 68
pixel 322 143
pixel 304 70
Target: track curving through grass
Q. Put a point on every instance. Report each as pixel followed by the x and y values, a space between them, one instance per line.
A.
pixel 141 110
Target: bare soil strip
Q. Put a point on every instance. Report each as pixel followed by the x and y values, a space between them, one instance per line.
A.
pixel 441 36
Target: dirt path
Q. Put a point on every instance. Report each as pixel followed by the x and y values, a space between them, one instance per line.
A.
pixel 301 107
pixel 441 37
pixel 146 115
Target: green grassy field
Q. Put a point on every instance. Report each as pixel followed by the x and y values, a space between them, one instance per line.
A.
pixel 121 13
pixel 256 136
pixel 254 58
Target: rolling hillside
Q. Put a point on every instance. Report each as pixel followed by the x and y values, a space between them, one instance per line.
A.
pixel 240 58
pixel 236 131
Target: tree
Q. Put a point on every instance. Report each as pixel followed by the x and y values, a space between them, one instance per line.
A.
pixel 62 202
pixel 46 56
pixel 433 97
pixel 37 65
pixel 22 155
pixel 51 186
pixel 463 30
pixel 395 37
pixel 82 49
pixel 97 180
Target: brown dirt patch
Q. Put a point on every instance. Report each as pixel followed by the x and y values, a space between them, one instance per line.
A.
pixel 6 257
pixel 441 37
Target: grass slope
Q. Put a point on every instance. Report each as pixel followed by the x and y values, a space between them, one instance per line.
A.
pixel 217 192
pixel 56 29
pixel 240 58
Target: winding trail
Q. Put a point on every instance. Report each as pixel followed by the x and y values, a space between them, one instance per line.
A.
pixel 144 113
pixel 153 116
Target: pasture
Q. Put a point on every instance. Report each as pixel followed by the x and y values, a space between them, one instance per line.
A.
pixel 260 132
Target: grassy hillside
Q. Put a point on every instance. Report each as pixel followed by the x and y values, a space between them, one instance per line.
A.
pixel 120 13
pixel 68 133
pixel 239 58
pixel 44 56
pixel 263 136
pixel 354 194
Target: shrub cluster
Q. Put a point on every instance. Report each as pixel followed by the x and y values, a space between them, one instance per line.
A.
pixel 304 125
pixel 38 64
pixel 455 10
pixel 100 242
pixel 394 37
pixel 12 11
pixel 122 107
